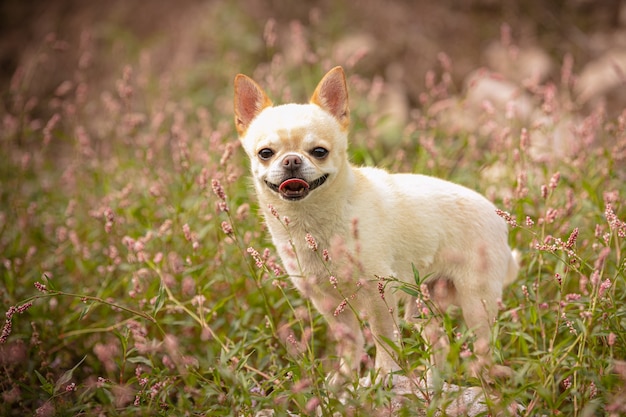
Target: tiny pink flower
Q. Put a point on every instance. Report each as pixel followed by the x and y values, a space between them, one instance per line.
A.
pixel 256 256
pixel 187 232
pixel 273 211
pixel 524 139
pixel 425 292
pixel 227 228
pixel 558 278
pixel 612 339
pixel 572 239
pixel 222 207
pixel 554 181
pixel 606 284
pixel 551 215
pixel 333 281
pixel 218 189
pixel 310 240
pixel 567 382
pixel 572 297
pixel 6 331
pixel 341 307
pixel 292 339
pixel 312 405
pixel 525 291
pixel 507 217
pixel 381 289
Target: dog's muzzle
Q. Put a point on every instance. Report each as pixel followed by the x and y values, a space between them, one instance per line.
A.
pixel 294 189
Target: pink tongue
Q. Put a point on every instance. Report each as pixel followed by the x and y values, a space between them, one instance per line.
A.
pixel 293 184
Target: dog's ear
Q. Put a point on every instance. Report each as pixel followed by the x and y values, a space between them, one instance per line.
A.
pixel 250 99
pixel 331 94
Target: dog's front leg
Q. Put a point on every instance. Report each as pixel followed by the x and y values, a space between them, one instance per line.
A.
pixel 345 328
pixel 382 318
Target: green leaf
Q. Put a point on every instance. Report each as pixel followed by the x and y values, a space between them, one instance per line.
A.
pixel 409 290
pixel 416 275
pixel 84 311
pixel 141 359
pixel 67 377
pixel 49 283
pixel 160 300
pixel 45 385
pixel 391 344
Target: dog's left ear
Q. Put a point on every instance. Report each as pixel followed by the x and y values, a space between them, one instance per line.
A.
pixel 331 94
pixel 250 100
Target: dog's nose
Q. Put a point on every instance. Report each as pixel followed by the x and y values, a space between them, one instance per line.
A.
pixel 292 162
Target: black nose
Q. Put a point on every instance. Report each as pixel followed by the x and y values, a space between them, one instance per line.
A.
pixel 292 162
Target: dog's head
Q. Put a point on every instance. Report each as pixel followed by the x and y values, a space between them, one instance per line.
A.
pixel 295 149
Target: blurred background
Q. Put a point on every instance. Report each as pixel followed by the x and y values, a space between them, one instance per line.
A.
pixel 116 120
pixel 397 40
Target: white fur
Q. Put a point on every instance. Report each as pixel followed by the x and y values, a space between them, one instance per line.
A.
pixel 374 224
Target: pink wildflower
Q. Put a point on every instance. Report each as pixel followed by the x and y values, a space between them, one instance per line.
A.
pixel 507 217
pixel 187 232
pixel 573 297
pixel 558 278
pixel 341 307
pixel 218 189
pixel 554 181
pixel 6 330
pixel 606 284
pixel 381 289
pixel 612 339
pixel 567 382
pixel 256 256
pixel 571 241
pixel 333 281
pixel 227 228
pixel 273 211
pixel 310 240
pixel 425 292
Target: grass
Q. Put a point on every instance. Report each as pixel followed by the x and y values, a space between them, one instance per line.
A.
pixel 138 279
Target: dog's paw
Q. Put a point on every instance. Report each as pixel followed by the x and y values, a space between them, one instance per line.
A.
pixel 388 380
pixel 501 372
pixel 490 372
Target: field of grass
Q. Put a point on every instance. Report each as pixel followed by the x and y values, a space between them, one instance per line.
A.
pixel 137 277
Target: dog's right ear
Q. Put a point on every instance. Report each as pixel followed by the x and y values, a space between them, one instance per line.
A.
pixel 250 100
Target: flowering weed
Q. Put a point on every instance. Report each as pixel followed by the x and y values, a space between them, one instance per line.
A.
pixel 137 278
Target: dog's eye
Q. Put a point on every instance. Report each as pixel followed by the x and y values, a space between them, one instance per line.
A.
pixel 319 152
pixel 266 153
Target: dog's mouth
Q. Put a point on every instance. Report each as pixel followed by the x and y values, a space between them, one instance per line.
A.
pixel 293 189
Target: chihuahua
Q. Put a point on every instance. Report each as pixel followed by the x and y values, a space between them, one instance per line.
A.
pixel 343 232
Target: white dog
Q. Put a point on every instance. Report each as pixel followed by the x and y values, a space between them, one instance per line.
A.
pixel 373 223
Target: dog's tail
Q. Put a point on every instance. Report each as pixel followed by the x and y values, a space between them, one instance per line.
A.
pixel 512 271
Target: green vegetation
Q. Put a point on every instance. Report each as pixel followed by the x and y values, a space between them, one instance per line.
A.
pixel 138 279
